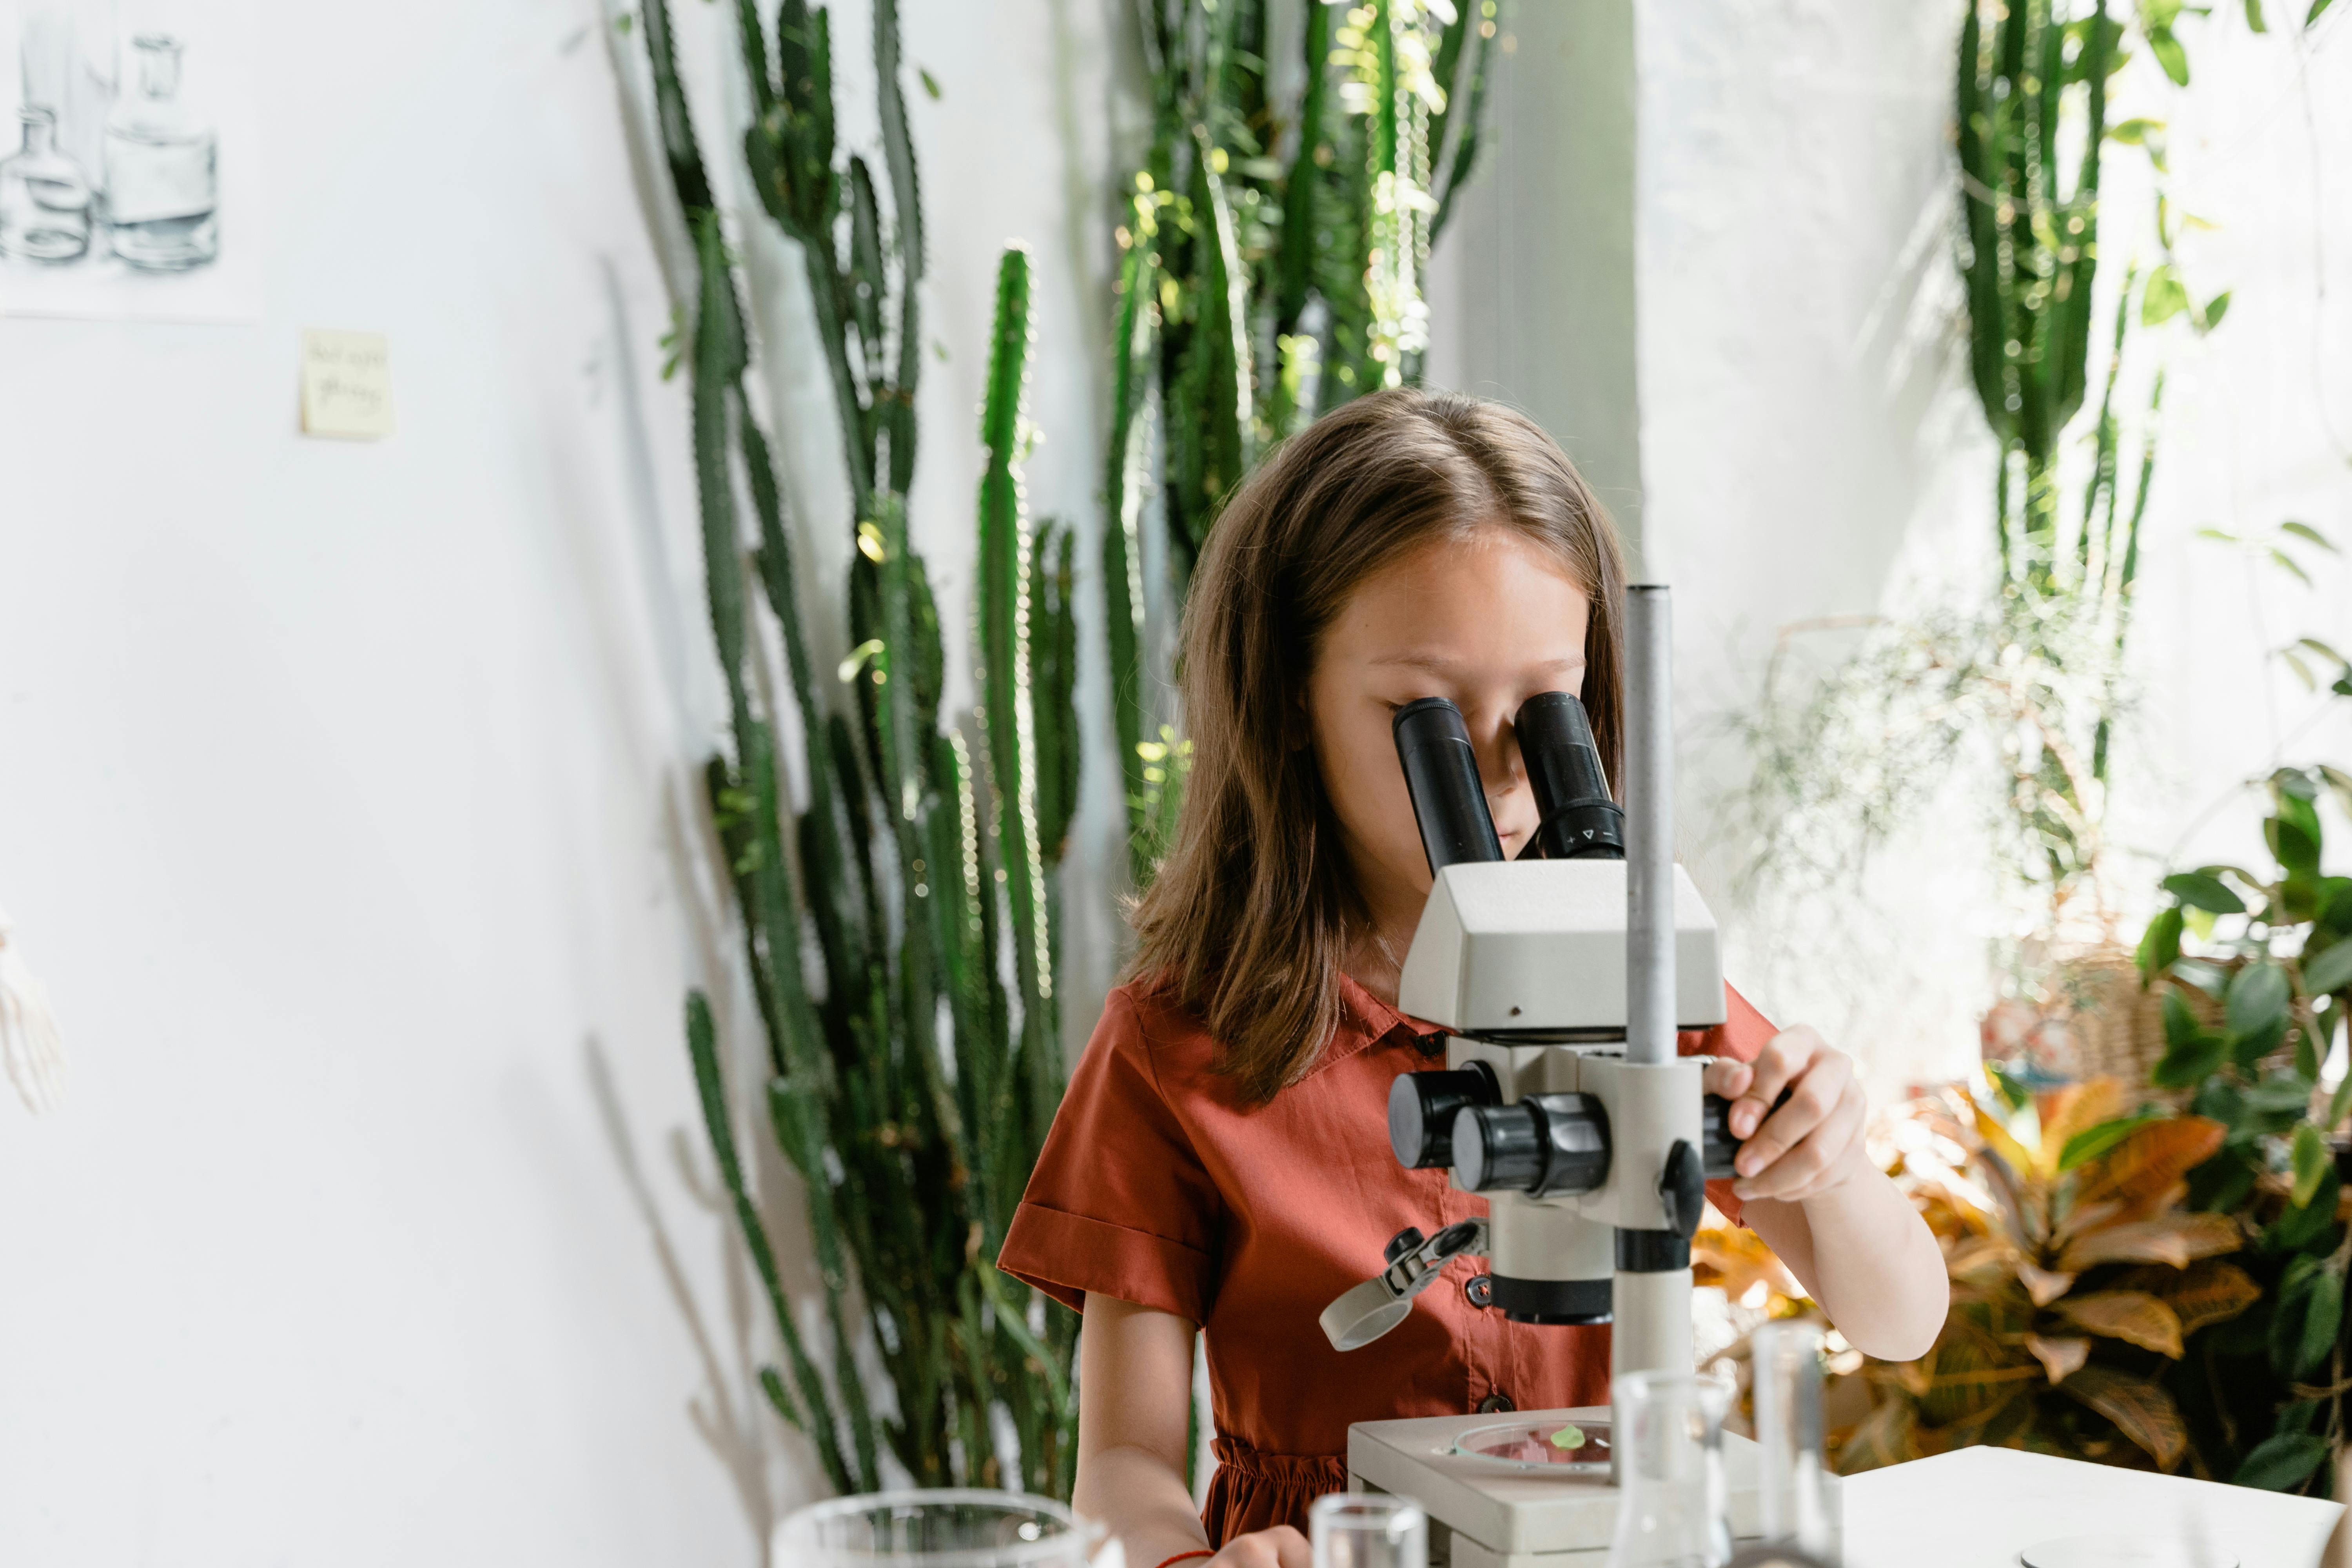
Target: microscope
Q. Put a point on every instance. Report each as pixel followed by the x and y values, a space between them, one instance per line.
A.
pixel 1562 978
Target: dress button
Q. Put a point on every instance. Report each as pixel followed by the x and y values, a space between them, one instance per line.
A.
pixel 1479 1289
pixel 1496 1403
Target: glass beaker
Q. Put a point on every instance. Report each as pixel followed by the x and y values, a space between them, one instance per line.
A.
pixel 964 1528
pixel 1800 1524
pixel 1368 1530
pixel 1673 1511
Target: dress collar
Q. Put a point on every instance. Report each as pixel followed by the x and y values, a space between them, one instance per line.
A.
pixel 1366 1021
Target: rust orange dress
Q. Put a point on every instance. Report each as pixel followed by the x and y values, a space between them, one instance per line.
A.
pixel 1158 1185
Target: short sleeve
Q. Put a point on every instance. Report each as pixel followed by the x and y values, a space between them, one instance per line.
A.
pixel 1742 1034
pixel 1121 1203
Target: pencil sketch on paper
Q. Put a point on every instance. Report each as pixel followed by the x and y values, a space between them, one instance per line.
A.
pixel 111 161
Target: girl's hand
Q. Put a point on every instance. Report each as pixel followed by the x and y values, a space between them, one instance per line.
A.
pixel 1813 1144
pixel 1280 1547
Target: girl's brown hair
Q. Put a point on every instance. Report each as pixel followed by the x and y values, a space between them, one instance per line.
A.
pixel 1249 920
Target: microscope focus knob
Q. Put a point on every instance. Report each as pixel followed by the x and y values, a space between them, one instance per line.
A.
pixel 1422 1108
pixel 1497 1148
pixel 1543 1144
pixel 1721 1147
pixel 1682 1189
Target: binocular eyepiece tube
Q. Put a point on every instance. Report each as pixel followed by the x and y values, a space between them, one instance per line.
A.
pixel 1577 820
pixel 1441 773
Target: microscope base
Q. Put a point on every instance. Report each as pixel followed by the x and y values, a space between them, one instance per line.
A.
pixel 1483 1514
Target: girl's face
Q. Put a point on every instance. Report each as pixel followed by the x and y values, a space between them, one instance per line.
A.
pixel 1485 621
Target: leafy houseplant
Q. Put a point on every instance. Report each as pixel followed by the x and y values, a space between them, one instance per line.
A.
pixel 2257 978
pixel 2076 1280
pixel 1269 269
pixel 2177 1280
pixel 898 930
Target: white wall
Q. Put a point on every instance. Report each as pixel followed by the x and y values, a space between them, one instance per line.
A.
pixel 342 808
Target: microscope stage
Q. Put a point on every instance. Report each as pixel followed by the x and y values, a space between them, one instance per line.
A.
pixel 1486 1513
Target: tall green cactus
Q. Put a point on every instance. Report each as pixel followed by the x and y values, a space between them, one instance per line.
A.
pixel 2034 82
pixel 1254 292
pixel 910 869
pixel 2031 248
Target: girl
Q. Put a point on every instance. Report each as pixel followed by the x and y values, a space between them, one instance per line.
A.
pixel 1222 1158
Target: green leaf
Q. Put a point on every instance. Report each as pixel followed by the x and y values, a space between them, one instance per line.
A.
pixel 2192 1062
pixel 2093 1142
pixel 2134 133
pixel 2258 999
pixel 2304 530
pixel 2170 54
pixel 2330 972
pixel 2014 1094
pixel 2312 1159
pixel 2215 309
pixel 2323 649
pixel 2310 1227
pixel 931 83
pixel 2209 978
pixel 2160 945
pixel 2201 890
pixel 2290 565
pixel 2301 1416
pixel 2284 1094
pixel 2340 1104
pixel 2313 15
pixel 2284 1460
pixel 2180 1024
pixel 2310 1312
pixel 2163 299
pixel 2293 844
pixel 2254 17
pixel 2248 1051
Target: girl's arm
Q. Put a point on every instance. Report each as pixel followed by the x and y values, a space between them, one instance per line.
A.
pixel 1849 1235
pixel 1135 1404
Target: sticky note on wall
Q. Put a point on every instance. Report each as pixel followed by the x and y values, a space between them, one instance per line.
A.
pixel 346 384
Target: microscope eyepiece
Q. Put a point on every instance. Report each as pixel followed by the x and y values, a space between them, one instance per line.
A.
pixel 1441 772
pixel 1579 819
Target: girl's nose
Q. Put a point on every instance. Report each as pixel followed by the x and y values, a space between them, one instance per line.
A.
pixel 1495 741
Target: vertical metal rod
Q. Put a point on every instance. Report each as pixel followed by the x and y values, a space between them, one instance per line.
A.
pixel 1649 826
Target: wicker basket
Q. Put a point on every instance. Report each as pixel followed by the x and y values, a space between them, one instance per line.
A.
pixel 2118 1027
pixel 2112 1027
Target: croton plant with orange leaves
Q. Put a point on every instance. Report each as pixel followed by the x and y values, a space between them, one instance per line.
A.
pixel 2079 1281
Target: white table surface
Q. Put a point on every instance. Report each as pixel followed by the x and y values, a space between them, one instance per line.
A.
pixel 1978 1508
